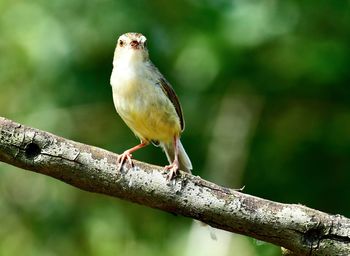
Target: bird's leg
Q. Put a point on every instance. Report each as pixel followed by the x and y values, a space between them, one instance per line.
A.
pixel 127 154
pixel 173 168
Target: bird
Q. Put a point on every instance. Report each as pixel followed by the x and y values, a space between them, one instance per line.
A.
pixel 147 103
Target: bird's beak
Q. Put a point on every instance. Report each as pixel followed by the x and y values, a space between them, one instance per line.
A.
pixel 135 44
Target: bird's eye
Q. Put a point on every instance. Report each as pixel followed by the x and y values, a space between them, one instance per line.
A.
pixel 145 43
pixel 121 42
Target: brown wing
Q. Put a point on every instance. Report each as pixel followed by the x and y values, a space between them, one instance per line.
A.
pixel 169 91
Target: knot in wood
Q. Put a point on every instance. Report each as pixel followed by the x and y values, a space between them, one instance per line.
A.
pixel 32 150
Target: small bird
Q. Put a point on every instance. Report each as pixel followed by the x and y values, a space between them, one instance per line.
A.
pixel 147 103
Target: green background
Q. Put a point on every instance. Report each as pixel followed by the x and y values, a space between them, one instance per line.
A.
pixel 264 86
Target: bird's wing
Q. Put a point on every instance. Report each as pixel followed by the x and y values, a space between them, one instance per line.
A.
pixel 170 93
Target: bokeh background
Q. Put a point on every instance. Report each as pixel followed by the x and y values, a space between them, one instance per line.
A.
pixel 264 85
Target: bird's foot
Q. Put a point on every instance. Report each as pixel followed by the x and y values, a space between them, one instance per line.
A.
pixel 125 156
pixel 173 170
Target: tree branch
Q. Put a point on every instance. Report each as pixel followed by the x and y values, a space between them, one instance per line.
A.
pixel 301 230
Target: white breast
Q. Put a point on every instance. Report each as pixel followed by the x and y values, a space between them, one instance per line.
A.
pixel 141 103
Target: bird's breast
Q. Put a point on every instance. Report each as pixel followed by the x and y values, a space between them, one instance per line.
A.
pixel 143 105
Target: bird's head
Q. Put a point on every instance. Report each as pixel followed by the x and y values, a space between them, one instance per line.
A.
pixel 131 45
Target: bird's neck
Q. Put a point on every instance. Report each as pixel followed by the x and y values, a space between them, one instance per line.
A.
pixel 129 59
pixel 128 69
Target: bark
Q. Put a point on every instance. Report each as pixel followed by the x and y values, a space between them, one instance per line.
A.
pixel 298 229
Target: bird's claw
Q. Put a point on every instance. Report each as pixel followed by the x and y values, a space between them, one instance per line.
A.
pixel 125 156
pixel 173 171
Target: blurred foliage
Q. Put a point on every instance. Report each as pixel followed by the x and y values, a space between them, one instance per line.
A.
pixel 265 90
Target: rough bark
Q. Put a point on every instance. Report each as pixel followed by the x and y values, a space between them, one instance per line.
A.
pixel 301 230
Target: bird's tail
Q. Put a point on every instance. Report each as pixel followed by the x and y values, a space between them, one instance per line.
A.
pixel 184 161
